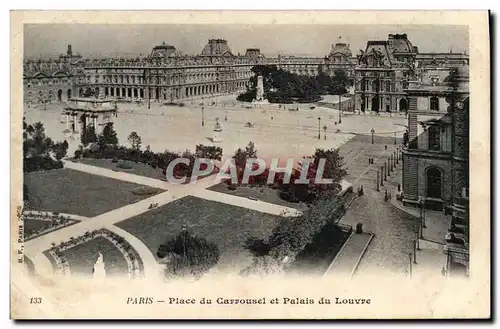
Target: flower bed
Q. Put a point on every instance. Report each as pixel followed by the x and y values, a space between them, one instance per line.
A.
pixel 134 262
pixel 40 223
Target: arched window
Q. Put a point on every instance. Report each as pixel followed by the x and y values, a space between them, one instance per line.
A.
pixel 434 106
pixel 434 138
pixel 388 86
pixel 433 179
pixel 375 85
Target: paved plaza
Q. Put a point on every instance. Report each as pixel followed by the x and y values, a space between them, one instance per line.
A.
pixel 276 132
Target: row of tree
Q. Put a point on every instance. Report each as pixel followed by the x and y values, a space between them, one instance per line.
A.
pixel 281 86
pixel 105 146
pixel 334 169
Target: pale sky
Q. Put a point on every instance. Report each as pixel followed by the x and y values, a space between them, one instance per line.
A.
pixel 301 40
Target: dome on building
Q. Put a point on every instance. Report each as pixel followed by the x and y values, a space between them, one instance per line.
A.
pixel 216 47
pixel 400 43
pixel 341 49
pixel 163 50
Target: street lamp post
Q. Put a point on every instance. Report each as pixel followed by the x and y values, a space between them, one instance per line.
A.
pixel 382 171
pixel 373 132
pixel 319 128
pixel 415 251
pixel 324 129
pixel 395 138
pixel 340 108
pixel 411 265
pixel 378 189
pixel 421 219
pixel 203 117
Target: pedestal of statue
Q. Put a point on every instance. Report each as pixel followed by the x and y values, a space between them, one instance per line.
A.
pixel 217 132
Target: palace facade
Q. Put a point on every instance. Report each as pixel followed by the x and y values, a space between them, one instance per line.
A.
pixel 384 69
pixel 380 73
pixel 436 162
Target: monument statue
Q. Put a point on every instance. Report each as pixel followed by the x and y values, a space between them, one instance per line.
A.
pixel 217 132
pixel 99 271
pixel 259 96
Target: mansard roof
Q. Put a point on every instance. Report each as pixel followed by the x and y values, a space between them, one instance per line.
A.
pixel 163 50
pixel 341 49
pixel 216 47
pixel 400 43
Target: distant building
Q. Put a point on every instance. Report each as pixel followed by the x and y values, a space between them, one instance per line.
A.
pixel 436 162
pixel 51 80
pixel 384 69
pixel 380 73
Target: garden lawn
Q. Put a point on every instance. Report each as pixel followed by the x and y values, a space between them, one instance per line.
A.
pixel 75 192
pixel 81 258
pixel 138 168
pixel 225 225
pixel 36 224
pixel 265 193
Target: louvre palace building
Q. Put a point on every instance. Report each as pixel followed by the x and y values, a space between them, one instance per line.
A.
pixel 380 73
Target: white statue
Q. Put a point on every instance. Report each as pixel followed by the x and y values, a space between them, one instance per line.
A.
pixel 99 272
pixel 259 96
pixel 217 132
pixel 260 89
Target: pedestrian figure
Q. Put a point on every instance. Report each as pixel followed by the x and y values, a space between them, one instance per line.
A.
pixel 272 118
pixel 443 271
pixel 386 147
pixel 225 118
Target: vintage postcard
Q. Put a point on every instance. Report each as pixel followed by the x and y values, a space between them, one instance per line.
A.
pixel 250 165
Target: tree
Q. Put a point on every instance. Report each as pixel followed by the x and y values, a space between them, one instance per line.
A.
pixel 208 152
pixel 88 135
pixel 291 235
pixel 60 149
pixel 188 255
pixel 333 169
pixel 108 136
pixel 263 263
pixel 39 150
pixel 340 82
pixel 135 140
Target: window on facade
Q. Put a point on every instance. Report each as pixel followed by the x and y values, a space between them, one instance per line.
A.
pixel 375 86
pixel 387 86
pixel 405 85
pixel 433 183
pixel 434 138
pixel 434 103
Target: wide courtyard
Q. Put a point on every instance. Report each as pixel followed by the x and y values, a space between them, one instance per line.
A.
pixel 224 217
pixel 275 132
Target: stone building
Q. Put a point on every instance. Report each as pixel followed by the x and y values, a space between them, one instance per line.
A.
pixel 166 74
pixel 436 162
pixel 380 73
pixel 52 80
pixel 384 69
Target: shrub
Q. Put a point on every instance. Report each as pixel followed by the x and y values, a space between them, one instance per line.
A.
pixel 188 255
pixel 145 190
pixel 124 165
